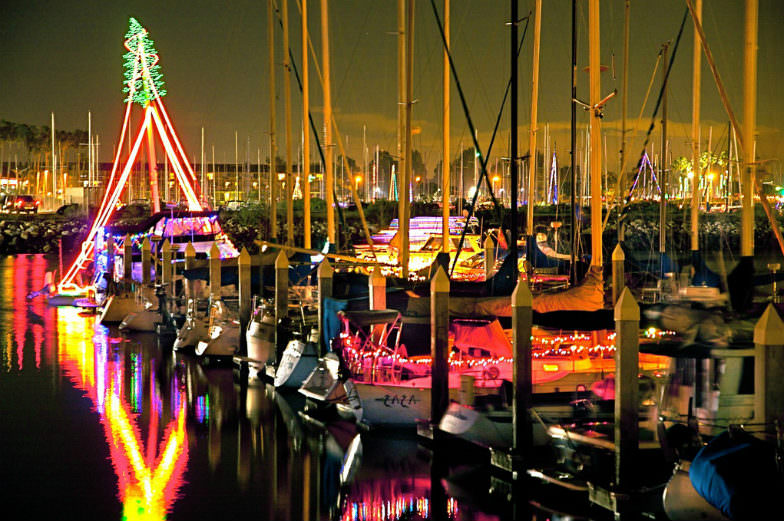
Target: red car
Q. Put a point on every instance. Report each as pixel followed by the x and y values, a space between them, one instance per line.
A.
pixel 25 204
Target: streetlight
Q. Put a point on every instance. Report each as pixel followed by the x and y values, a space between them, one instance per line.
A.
pixel 495 180
pixel 417 179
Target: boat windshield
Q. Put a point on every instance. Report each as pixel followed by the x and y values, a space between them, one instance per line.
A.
pixel 183 226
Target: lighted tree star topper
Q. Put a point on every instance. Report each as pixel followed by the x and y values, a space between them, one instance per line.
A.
pixel 143 76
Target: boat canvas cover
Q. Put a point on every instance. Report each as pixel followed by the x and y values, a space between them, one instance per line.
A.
pixel 587 296
pixel 737 474
pixel 489 335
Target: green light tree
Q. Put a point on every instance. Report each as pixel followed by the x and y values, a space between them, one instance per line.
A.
pixel 143 76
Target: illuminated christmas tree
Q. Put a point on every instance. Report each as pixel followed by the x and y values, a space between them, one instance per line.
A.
pixel 144 86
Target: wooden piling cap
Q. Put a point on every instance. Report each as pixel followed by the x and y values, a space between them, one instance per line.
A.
pixel 325 270
pixel 769 331
pixel 146 244
pixel 244 258
pixel 214 251
pixel 166 246
pixel 190 251
pixel 440 282
pixel 489 244
pixel 376 278
pixel 281 261
pixel 521 296
pixel 617 254
pixel 627 308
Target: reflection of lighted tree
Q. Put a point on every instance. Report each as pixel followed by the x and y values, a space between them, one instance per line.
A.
pixel 147 483
pixel 147 489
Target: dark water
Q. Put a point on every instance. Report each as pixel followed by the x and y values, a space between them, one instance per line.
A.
pixel 97 425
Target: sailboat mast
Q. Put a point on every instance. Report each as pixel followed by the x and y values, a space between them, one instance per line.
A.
pixel 305 129
pixel 749 123
pixel 287 104
pixel 513 137
pixel 405 179
pixel 445 171
pixel 663 162
pixel 596 133
pixel 695 134
pixel 532 130
pixel 573 151
pixel 330 173
pixel 273 174
pixel 624 100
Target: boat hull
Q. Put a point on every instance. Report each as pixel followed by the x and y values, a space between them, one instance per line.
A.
pixel 224 342
pixel 260 337
pixel 117 307
pixel 142 321
pixel 190 334
pixel 298 361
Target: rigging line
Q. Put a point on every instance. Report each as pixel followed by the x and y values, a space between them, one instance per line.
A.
pixel 661 94
pixel 489 149
pixel 482 158
pixel 634 129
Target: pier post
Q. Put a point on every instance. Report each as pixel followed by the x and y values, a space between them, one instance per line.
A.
pixel 215 272
pixel 281 301
pixel 325 274
pixel 190 261
pixel 627 356
pixel 522 321
pixel 146 261
pixel 110 260
pixel 769 368
pixel 618 276
pixel 439 345
pixel 127 261
pixel 167 277
pixel 377 289
pixel 489 256
pixel 243 268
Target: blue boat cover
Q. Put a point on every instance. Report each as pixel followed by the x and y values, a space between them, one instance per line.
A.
pixel 737 474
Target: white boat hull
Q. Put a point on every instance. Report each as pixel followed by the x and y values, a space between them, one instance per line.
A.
pixel 297 363
pixel 117 307
pixel 224 341
pixel 190 334
pixel 143 321
pixel 260 338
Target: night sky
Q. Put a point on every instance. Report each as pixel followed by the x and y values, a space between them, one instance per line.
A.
pixel 66 57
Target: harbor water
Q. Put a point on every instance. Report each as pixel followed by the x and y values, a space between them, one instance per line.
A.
pixel 95 424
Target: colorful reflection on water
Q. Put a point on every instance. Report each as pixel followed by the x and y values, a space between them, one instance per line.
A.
pixel 96 425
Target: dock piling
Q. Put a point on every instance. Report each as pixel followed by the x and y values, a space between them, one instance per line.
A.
pixel 439 345
pixel 769 368
pixel 190 263
pixel 146 261
pixel 489 257
pixel 243 267
pixel 167 277
pixel 110 260
pixel 325 274
pixel 281 301
pixel 377 289
pixel 215 272
pixel 627 356
pixel 522 321
pixel 618 276
pixel 127 262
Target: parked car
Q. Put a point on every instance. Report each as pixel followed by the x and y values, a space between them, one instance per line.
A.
pixel 21 204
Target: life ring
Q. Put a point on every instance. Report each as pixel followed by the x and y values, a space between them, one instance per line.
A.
pixel 491 373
